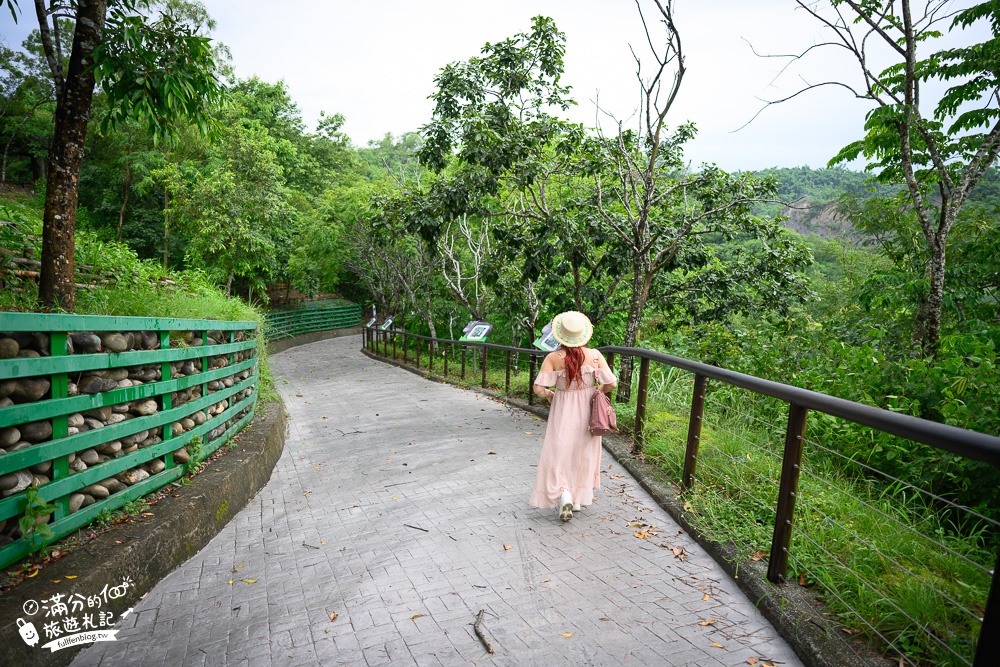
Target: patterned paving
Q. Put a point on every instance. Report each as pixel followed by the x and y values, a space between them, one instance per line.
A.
pixel 397 512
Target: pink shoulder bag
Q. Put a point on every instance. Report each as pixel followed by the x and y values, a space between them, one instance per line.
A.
pixel 602 415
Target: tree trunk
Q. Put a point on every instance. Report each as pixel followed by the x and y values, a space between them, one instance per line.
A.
pixel 927 329
pixel 55 289
pixel 641 279
pixel 430 319
pixel 128 190
pixel 229 284
pixel 166 229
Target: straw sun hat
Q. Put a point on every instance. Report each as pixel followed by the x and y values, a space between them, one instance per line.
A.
pixel 572 328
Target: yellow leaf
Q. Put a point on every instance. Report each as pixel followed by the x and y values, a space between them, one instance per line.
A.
pixel 230 582
pixel 322 542
pixel 545 581
pixel 568 634
pixel 32 574
pixel 71 576
pixel 717 645
pixel 528 432
pixel 56 581
pixel 707 596
pixel 507 547
pixel 249 581
pixel 333 616
pixel 708 622
pixel 415 616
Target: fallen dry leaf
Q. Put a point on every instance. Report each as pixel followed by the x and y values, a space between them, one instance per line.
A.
pixel 71 576
pixel 249 581
pixel 415 616
pixel 32 574
pixel 527 432
pixel 707 596
pixel 604 618
pixel 56 581
pixel 568 634
pixel 753 661
pixel 230 582
pixel 507 547
pixel 333 616
pixel 679 553
pixel 717 645
pixel 757 555
pixel 708 622
pixel 802 579
pixel 545 581
pixel 491 452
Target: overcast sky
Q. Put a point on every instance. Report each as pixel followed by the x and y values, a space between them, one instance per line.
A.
pixel 375 63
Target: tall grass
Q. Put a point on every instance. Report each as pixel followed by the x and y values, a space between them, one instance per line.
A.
pixel 886 561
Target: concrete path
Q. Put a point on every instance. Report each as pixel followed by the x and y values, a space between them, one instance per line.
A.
pixel 397 512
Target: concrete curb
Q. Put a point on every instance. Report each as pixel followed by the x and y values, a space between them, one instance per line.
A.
pixel 795 612
pixel 149 548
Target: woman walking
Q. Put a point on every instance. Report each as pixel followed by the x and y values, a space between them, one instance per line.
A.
pixel 570 466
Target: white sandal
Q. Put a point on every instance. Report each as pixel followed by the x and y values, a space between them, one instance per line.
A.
pixel 566 506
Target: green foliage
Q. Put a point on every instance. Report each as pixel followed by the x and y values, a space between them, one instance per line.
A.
pixel 155 72
pixel 31 522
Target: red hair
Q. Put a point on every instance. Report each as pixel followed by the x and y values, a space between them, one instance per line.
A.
pixel 574 359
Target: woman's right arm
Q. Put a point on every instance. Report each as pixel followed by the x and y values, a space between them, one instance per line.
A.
pixel 542 390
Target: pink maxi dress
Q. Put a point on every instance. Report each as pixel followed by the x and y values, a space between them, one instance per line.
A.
pixel 571 456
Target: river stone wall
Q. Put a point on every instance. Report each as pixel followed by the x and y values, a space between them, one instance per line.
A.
pixel 24 391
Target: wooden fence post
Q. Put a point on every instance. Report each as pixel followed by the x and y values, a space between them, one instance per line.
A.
pixel 694 430
pixel 777 566
pixel 639 438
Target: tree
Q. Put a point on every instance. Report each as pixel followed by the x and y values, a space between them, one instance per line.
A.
pixel 940 149
pixel 501 154
pixel 660 214
pixel 236 210
pixel 154 70
pixel 594 220
pixel 27 88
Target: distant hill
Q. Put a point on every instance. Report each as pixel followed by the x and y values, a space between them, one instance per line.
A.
pixel 813 194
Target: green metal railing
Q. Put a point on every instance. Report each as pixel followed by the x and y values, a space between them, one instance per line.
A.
pixel 234 381
pixel 310 318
